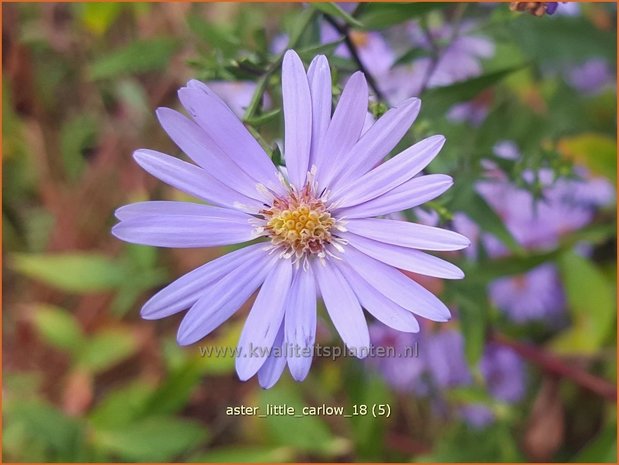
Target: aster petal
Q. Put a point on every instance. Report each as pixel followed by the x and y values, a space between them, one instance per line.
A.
pixel 390 174
pixel 397 287
pixel 300 320
pixel 185 231
pixel 319 76
pixel 384 309
pixel 158 208
pixel 405 234
pixel 376 142
pixel 264 321
pixel 297 105
pixel 223 297
pixel 192 140
pixel 273 368
pixel 408 195
pixel 345 127
pixel 228 133
pixel 187 290
pixel 405 258
pixel 343 308
pixel 192 180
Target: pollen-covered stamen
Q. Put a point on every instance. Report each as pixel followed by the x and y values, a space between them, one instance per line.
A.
pixel 299 224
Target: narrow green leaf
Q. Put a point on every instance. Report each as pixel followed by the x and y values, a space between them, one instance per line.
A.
pixel 106 348
pixel 58 327
pixel 77 136
pixel 311 433
pixel 334 10
pixel 475 206
pixel 591 302
pixel 157 439
pixel 121 406
pixel 70 272
pixel 383 15
pixel 244 454
pixel 440 99
pixel 138 57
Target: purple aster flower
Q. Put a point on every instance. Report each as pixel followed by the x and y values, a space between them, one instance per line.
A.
pixel 504 373
pixel 591 77
pixel 566 205
pixel 441 364
pixel 315 228
pixel 535 295
pixel 404 368
pixel 445 358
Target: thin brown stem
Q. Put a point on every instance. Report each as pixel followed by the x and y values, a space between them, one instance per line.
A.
pixel 554 365
pixel 354 53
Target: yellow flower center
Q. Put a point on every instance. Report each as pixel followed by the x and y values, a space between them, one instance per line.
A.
pixel 300 224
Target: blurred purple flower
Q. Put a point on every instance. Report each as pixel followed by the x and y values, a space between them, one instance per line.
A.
pixel 460 59
pixel 403 371
pixel 441 365
pixel 445 358
pixel 478 416
pixel 504 373
pixel 236 94
pixel 535 295
pixel 566 205
pixel 317 225
pixel 591 77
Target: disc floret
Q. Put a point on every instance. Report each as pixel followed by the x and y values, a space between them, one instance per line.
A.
pixel 300 224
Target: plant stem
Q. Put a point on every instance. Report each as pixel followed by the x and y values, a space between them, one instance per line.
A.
pixel 344 30
pixel 261 86
pixel 555 365
pixel 435 49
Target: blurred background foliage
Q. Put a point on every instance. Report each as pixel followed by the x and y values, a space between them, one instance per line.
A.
pixel 86 380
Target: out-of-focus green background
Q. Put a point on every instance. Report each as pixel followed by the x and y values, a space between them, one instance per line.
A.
pixel 85 379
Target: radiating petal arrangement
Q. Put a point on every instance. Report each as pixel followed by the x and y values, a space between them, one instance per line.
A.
pixel 316 225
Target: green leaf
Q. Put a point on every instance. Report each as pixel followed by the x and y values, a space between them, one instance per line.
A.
pixel 58 327
pixel 383 15
pixel 410 55
pixel 121 406
pixel 566 39
pixel 310 433
pixel 467 200
pixel 220 37
pixel 473 321
pixel 334 10
pixel 76 137
pixel 299 25
pixel 106 348
pixel 308 53
pixel 244 454
pixel 157 439
pixel 138 57
pixel 47 425
pixel 264 118
pixel 368 432
pixel 97 17
pixel 597 152
pixel 70 272
pixel 175 390
pixel 601 449
pixel 440 99
pixel 591 302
